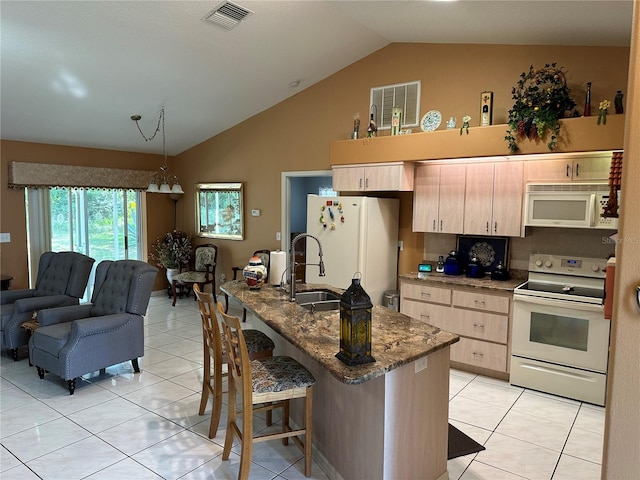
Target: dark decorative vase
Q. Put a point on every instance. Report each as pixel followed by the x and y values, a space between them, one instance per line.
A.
pixel 617 102
pixel 587 101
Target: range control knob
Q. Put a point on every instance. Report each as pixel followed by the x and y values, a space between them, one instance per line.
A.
pixel 548 264
pixel 538 263
pixel 595 267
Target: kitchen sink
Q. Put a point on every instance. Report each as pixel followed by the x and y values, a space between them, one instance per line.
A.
pixel 316 296
pixel 318 300
pixel 325 306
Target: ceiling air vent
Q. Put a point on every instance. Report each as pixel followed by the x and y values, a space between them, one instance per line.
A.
pixel 227 16
pixel 404 95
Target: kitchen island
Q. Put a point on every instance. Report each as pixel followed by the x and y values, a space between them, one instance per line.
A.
pixel 383 420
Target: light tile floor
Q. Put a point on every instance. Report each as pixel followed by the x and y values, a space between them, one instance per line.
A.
pixel 122 425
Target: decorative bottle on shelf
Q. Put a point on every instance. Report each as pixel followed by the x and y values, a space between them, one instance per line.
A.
pixel 587 101
pixel 617 102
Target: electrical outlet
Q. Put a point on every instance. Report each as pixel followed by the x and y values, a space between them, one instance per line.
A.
pixel 223 277
pixel 421 364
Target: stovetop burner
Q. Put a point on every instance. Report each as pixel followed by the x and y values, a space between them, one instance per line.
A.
pixel 575 279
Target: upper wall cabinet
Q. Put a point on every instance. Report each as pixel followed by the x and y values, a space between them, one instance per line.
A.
pixel 577 135
pixel 493 199
pixel 371 178
pixel 438 198
pixel 593 166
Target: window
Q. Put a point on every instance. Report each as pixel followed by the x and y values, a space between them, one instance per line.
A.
pixel 219 210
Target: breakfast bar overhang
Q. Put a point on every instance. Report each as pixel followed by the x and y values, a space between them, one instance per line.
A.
pixel 382 420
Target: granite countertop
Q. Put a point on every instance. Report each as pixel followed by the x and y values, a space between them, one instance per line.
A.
pixel 396 338
pixel 516 279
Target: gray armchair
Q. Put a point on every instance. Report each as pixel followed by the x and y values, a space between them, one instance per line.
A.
pixel 62 279
pixel 72 341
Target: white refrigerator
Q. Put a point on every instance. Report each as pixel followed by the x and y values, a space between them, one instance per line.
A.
pixel 357 234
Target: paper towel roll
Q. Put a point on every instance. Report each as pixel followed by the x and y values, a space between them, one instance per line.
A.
pixel 277 266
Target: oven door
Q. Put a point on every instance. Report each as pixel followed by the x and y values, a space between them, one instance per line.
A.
pixel 562 332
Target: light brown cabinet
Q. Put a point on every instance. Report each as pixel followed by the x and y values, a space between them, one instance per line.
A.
pixel 493 199
pixel 438 198
pixel 571 168
pixel 481 318
pixel 369 178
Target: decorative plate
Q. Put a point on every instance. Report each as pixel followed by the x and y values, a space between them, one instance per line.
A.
pixel 484 252
pixel 430 121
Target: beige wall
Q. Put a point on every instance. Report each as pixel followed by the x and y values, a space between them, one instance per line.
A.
pixel 622 431
pixel 295 135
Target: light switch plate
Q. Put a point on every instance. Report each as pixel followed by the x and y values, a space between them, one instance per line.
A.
pixel 256 212
pixel 421 364
pixel 5 237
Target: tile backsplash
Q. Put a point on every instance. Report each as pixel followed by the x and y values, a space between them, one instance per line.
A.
pixel 557 241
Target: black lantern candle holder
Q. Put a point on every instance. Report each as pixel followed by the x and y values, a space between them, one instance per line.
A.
pixel 355 325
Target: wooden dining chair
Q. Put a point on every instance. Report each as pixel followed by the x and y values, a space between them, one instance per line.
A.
pixel 263 384
pixel 259 345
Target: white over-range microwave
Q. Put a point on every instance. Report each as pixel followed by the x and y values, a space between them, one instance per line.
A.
pixel 568 205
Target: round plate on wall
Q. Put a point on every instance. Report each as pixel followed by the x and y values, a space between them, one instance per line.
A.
pixel 430 121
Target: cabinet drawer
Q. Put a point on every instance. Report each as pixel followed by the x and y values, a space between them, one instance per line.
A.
pixel 432 314
pixel 426 293
pixel 479 301
pixel 479 325
pixel 480 354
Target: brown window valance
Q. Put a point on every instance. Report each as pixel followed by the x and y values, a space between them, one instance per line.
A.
pixel 34 175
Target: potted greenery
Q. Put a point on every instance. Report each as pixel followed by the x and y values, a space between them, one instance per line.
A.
pixel 172 251
pixel 541 100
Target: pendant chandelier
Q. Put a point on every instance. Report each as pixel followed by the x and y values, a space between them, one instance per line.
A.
pixel 163 181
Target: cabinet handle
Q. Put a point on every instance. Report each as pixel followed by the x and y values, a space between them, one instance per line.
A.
pixel 440 225
pixel 478 325
pixel 479 303
pixel 425 294
pixel 577 169
pixel 366 183
pixel 495 227
pixel 487 227
pixel 424 317
pixel 567 170
pixel 434 224
pixel 360 184
pixel 478 354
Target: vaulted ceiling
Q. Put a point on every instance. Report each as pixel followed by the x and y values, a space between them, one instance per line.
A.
pixel 73 72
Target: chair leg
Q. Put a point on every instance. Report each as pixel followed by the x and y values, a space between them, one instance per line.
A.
pixel 206 378
pixel 40 372
pixel 226 303
pixel 308 421
pixel 135 365
pixel 231 420
pixel 244 315
pixel 14 354
pixel 72 385
pixel 173 290
pixel 285 421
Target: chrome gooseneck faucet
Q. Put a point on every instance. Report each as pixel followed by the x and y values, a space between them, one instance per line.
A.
pixel 292 263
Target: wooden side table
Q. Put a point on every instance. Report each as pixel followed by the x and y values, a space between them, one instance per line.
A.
pixel 5 281
pixel 30 326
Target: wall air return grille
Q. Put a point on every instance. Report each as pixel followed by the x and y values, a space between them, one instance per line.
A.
pixel 405 95
pixel 227 16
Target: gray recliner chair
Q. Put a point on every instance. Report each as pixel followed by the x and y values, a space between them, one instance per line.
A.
pixel 73 341
pixel 62 279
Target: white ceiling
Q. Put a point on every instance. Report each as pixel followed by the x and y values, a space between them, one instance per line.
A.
pixel 73 72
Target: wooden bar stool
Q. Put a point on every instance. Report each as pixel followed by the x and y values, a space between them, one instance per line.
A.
pixel 258 344
pixel 269 381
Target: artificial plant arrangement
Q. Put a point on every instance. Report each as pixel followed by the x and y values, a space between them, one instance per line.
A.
pixel 173 250
pixel 541 100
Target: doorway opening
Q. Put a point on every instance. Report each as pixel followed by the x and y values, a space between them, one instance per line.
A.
pixel 295 188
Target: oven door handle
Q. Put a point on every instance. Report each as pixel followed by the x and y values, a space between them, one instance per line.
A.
pixel 551 302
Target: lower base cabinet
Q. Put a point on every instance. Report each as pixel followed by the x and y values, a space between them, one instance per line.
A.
pixel 481 317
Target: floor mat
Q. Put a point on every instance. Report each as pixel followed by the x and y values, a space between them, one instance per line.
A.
pixel 461 444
